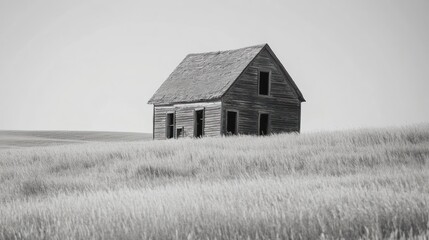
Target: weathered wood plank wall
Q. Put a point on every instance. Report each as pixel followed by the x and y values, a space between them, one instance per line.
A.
pixel 184 117
pixel 212 119
pixel 159 121
pixel 282 104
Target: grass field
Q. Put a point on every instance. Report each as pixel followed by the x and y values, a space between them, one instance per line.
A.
pixel 369 184
pixel 17 139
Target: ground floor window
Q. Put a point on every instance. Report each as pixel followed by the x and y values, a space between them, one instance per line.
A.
pixel 179 132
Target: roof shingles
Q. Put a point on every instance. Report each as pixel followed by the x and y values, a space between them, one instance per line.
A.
pixel 204 76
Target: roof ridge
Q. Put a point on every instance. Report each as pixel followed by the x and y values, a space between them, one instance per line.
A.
pixel 207 76
pixel 230 50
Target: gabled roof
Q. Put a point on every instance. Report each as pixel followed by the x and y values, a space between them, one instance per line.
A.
pixel 208 76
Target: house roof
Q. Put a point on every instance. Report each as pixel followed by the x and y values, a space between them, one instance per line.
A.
pixel 208 76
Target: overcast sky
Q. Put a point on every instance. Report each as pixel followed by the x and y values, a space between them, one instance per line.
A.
pixel 93 65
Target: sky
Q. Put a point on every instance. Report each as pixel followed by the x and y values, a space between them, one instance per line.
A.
pixel 93 65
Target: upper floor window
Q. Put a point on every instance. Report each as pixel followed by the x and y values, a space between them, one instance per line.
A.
pixel 264 83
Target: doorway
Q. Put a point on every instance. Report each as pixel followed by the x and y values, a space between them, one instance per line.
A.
pixel 169 125
pixel 199 123
pixel 231 123
pixel 263 123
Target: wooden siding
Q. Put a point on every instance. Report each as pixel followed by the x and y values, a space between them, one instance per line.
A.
pixel 159 121
pixel 184 117
pixel 212 119
pixel 283 104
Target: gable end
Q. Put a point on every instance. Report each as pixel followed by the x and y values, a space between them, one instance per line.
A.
pixel 289 79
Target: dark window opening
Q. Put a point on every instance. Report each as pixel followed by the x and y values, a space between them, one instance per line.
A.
pixel 170 125
pixel 263 123
pixel 179 132
pixel 264 83
pixel 199 123
pixel 231 123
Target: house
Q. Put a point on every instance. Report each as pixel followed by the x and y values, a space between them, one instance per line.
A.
pixel 242 91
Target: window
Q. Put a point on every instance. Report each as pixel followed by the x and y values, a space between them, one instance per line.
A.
pixel 179 132
pixel 264 83
pixel 199 123
pixel 170 125
pixel 231 123
pixel 264 123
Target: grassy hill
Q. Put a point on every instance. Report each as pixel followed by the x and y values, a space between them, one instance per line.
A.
pixel 354 184
pixel 14 139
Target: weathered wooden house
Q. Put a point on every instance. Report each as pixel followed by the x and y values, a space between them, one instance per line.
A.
pixel 243 91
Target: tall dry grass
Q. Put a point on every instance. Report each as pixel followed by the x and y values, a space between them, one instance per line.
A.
pixel 353 184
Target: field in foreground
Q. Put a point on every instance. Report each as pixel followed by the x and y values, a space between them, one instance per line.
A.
pixel 353 184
